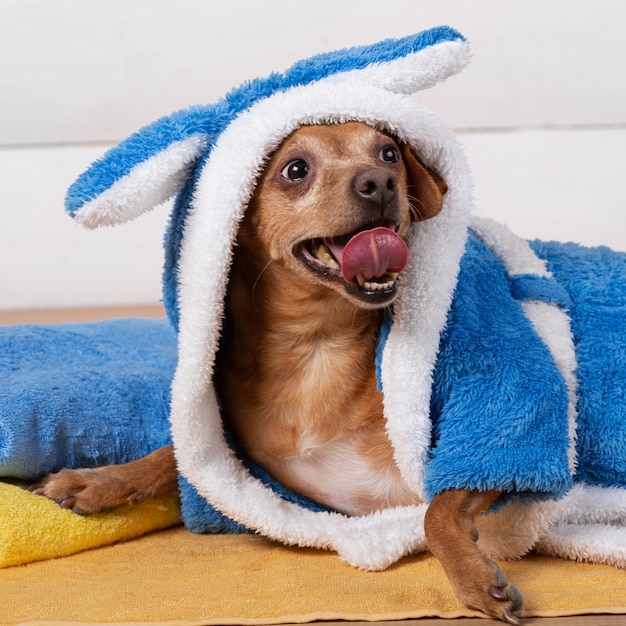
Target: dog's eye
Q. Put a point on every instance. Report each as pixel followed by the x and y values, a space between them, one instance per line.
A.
pixel 389 154
pixel 295 171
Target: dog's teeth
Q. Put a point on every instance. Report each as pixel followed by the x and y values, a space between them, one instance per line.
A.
pixel 393 276
pixel 324 255
pixel 374 286
pixel 361 280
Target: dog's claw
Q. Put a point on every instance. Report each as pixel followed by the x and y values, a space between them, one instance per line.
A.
pixel 67 503
pixel 498 593
pixel 511 609
pixel 512 613
pixel 508 617
pixel 136 497
pixel 508 600
pixel 516 598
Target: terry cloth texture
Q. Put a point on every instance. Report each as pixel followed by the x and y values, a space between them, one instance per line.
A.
pixel 595 280
pixel 33 528
pixel 492 360
pixel 177 578
pixel 83 395
pixel 79 395
pixel 479 357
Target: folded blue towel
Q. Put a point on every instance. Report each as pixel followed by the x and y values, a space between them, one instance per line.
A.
pixel 83 395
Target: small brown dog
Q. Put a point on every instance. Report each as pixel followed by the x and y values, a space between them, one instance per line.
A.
pixel 317 261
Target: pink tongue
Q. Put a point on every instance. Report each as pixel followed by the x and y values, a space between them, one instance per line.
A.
pixel 372 253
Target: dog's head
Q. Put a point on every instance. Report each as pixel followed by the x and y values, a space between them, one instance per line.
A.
pixel 335 204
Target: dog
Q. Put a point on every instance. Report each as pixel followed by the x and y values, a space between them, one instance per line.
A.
pixel 319 258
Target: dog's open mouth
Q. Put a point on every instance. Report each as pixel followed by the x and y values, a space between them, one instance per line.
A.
pixel 367 261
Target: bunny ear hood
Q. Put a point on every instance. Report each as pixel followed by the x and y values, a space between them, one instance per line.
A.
pixel 152 165
pixel 210 157
pixel 210 211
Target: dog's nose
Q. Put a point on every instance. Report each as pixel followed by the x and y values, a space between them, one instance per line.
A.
pixel 378 186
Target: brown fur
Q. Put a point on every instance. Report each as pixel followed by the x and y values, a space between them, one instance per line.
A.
pixel 88 491
pixel 296 374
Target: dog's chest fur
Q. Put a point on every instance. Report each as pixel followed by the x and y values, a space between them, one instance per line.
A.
pixel 299 392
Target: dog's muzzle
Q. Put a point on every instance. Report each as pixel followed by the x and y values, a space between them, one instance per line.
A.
pixel 367 262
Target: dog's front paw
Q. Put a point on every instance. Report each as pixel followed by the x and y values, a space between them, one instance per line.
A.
pixel 489 591
pixel 86 491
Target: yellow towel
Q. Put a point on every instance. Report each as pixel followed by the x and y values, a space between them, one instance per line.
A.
pixel 176 578
pixel 34 528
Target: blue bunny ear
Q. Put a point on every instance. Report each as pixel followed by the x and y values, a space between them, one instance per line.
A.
pixel 154 164
pixel 144 170
pixel 403 65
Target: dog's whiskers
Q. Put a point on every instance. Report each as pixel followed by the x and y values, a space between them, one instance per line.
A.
pixel 354 312
pixel 415 212
pixel 258 278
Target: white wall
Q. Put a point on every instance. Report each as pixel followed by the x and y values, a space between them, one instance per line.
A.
pixel 541 110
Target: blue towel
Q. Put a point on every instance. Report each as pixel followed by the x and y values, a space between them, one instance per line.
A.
pixel 83 395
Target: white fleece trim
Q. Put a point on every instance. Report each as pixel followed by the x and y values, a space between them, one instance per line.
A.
pixel 223 189
pixel 147 185
pixel 592 504
pixel 414 72
pixel 590 543
pixel 551 322
pixel 428 284
pixel 514 252
pixel 591 526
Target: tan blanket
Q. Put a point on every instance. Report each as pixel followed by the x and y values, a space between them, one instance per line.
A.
pixel 177 578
